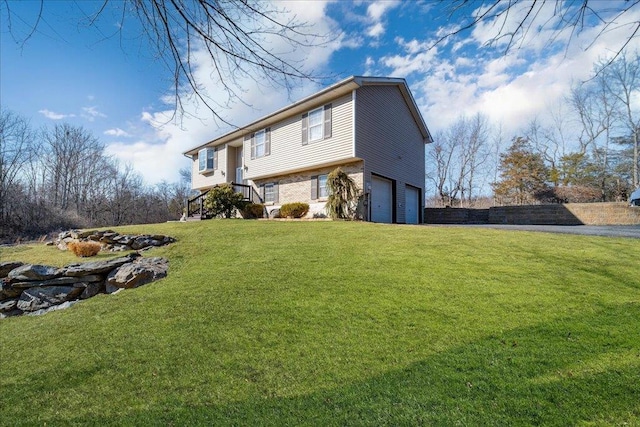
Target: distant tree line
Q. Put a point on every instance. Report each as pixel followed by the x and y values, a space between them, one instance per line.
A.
pixel 588 153
pixel 60 178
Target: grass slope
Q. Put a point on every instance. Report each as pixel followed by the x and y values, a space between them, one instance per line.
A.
pixel 340 323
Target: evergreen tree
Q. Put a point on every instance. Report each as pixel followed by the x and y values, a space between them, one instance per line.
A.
pixel 522 174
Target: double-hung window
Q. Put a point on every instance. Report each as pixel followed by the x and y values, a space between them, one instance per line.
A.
pixel 261 143
pixel 323 192
pixel 316 124
pixel 270 192
pixel 319 188
pixel 206 160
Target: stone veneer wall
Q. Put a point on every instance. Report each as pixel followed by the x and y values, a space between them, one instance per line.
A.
pixel 296 187
pixel 563 214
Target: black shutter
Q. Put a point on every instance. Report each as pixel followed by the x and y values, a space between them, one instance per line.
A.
pixel 305 128
pixel 327 121
pixel 314 187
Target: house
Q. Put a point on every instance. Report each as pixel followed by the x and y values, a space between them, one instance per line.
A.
pixel 369 126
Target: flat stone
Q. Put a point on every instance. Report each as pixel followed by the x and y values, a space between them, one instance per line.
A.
pixel 7 266
pixel 32 272
pixel 97 267
pixel 93 289
pixel 8 305
pixel 7 290
pixel 85 234
pixel 59 281
pixel 37 298
pixel 57 307
pixel 138 273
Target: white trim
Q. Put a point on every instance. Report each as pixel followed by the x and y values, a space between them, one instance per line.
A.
pixel 353 123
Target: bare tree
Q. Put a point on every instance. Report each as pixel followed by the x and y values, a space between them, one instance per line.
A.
pixel 458 153
pixel 16 139
pixel 70 152
pixel 515 21
pixel 623 83
pixel 242 38
pixel 596 110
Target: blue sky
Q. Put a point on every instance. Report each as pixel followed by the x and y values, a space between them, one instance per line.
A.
pixel 111 83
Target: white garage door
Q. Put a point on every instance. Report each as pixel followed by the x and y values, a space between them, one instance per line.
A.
pixel 381 200
pixel 412 204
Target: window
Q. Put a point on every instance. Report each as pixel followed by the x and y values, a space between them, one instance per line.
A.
pixel 316 124
pixel 271 193
pixel 206 159
pixel 323 191
pixel 319 188
pixel 316 121
pixel 261 143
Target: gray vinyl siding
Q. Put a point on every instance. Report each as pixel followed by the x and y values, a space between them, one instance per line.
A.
pixel 202 181
pixel 389 140
pixel 289 154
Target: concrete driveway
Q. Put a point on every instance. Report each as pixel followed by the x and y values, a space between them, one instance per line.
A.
pixel 632 231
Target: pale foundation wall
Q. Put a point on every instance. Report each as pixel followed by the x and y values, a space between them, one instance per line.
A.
pixel 296 187
pixel 287 151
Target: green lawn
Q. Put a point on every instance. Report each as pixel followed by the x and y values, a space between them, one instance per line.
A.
pixel 340 323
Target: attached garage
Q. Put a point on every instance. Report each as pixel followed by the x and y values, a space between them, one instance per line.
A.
pixel 412 205
pixel 381 199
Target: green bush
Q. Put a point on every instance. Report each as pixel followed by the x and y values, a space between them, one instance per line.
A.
pixel 295 210
pixel 253 211
pixel 222 201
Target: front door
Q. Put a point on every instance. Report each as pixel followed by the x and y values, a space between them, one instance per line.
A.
pixel 239 174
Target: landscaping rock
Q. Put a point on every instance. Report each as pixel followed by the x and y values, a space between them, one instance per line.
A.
pixel 8 305
pixel 7 290
pixel 92 290
pixel 32 272
pixel 36 298
pixel 113 241
pixel 138 273
pixel 7 266
pixel 97 267
pixel 58 281
pixel 42 311
pixel 111 289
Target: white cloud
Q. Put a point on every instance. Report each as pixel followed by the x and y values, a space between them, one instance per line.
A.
pixel 53 115
pixel 158 155
pixel 116 132
pixel 376 30
pixel 91 113
pixel 375 14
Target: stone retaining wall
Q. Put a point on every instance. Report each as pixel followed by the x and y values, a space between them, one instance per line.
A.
pixel 562 214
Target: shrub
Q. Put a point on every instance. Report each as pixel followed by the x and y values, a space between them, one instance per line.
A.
pixel 252 211
pixel 295 210
pixel 84 249
pixel 343 195
pixel 222 201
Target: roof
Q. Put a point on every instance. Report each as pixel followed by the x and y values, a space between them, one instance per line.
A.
pixel 334 91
